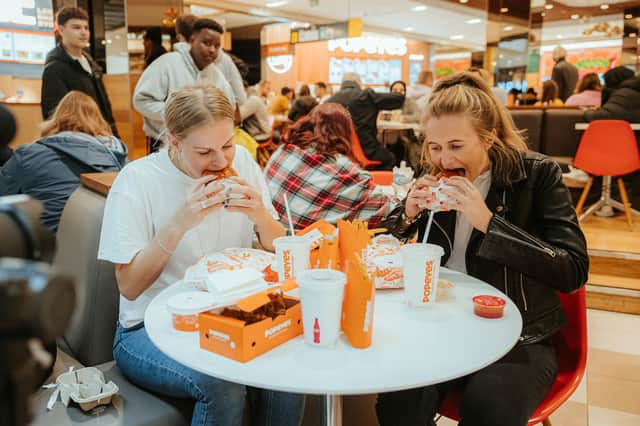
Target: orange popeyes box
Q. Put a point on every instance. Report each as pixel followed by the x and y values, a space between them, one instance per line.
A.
pixel 243 342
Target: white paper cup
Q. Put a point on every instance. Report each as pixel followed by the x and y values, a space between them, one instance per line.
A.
pixel 321 295
pixel 421 263
pixel 292 256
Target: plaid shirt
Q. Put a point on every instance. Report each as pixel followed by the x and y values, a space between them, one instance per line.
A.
pixel 319 187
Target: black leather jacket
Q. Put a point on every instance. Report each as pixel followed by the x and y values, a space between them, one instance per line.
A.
pixel 533 246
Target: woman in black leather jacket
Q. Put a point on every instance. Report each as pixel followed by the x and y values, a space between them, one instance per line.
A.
pixel 508 220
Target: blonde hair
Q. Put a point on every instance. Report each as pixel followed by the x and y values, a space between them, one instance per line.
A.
pixel 195 106
pixel 466 93
pixel 76 112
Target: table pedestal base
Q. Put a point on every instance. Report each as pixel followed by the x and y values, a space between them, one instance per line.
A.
pixel 332 410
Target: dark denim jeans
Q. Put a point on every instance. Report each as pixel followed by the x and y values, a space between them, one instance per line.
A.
pixel 505 393
pixel 218 402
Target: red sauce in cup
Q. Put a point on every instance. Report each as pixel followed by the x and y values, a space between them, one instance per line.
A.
pixel 486 306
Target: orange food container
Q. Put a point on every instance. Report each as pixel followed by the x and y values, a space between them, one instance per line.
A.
pixel 486 306
pixel 233 338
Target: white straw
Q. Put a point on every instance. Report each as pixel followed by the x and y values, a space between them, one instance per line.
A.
pixel 428 228
pixel 286 207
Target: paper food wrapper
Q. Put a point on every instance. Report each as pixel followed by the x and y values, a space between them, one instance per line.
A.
pixel 384 262
pixel 358 306
pixel 231 259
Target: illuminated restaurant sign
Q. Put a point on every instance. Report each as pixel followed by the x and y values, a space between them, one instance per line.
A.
pixel 371 45
pixel 350 28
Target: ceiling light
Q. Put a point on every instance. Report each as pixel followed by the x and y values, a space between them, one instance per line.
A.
pixel 559 37
pixel 628 16
pixel 275 3
pixel 474 21
pixel 548 6
pixel 508 28
pixel 408 29
pixel 576 16
pixel 464 1
pixel 543 14
pixel 604 6
pixel 457 37
pixel 504 9
pixel 420 8
pixel 633 35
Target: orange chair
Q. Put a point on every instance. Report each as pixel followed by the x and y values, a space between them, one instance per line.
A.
pixel 382 177
pixel 571 348
pixel 607 148
pixel 359 154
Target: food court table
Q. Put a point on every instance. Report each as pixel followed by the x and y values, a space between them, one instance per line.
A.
pixel 411 348
pixel 583 126
pixel 397 125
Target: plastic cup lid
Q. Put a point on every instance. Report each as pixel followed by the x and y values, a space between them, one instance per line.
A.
pixel 322 278
pixel 190 302
pixel 486 300
pixel 434 250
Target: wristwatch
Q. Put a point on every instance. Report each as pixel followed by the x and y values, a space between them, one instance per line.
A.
pixel 406 221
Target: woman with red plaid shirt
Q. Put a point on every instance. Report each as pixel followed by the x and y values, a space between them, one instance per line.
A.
pixel 316 169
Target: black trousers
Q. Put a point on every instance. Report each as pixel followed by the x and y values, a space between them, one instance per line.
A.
pixel 383 154
pixel 505 393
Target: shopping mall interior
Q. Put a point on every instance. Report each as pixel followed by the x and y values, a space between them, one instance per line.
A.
pixel 308 48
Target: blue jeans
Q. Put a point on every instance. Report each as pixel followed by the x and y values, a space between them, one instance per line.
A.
pixel 218 402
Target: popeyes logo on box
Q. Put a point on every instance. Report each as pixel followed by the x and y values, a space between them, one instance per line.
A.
pixel 428 276
pixel 287 265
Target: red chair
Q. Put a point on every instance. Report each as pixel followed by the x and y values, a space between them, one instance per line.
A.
pixel 571 348
pixel 607 148
pixel 359 154
pixel 382 177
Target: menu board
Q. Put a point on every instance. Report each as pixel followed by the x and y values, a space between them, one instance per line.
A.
pixel 26 34
pixel 371 71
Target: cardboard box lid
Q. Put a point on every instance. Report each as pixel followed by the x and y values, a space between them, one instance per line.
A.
pixel 254 301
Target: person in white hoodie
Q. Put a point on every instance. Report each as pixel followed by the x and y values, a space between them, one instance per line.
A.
pixel 420 91
pixel 175 70
pixel 184 29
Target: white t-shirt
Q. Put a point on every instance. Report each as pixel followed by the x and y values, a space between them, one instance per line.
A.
pixel 457 260
pixel 144 196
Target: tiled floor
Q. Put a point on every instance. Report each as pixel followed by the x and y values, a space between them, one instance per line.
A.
pixel 610 395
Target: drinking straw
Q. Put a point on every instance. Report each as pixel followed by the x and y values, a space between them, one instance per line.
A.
pixel 286 207
pixel 428 228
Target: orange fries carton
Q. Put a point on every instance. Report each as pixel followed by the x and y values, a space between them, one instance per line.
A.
pixel 243 341
pixel 357 309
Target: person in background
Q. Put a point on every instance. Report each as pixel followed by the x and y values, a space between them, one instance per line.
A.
pixel 7 133
pixel 499 92
pixel 163 213
pixel 530 97
pixel 177 69
pixel 513 97
pixel 264 91
pixel 302 105
pixel 315 168
pixel 68 67
pixel 281 104
pixel 255 117
pixel 421 89
pixel 588 92
pixel 410 111
pixel 323 92
pixel 549 95
pixel 364 106
pixel 75 140
pixel 153 49
pixel 508 220
pixel 224 62
pixel 620 97
pixel 564 73
pixel 304 91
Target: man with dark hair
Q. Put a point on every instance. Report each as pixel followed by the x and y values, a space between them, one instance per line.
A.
pixel 322 92
pixel 175 70
pixel 153 49
pixel 68 67
pixel 184 27
pixel 282 103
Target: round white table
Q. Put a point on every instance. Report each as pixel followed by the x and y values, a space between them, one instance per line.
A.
pixel 411 348
pixel 396 125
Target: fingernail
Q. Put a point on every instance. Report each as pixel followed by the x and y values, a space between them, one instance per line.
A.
pixel 433 194
pixel 441 203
